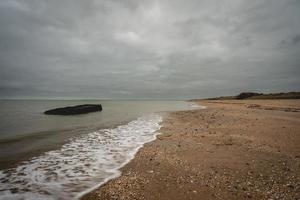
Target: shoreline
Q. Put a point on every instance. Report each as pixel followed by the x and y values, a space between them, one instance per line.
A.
pixel 118 170
pixel 249 149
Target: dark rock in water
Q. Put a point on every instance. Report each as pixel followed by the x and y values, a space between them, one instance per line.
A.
pixel 245 95
pixel 75 110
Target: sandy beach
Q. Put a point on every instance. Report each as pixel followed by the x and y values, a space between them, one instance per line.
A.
pixel 233 149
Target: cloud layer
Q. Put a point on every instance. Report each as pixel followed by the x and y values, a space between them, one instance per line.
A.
pixel 148 49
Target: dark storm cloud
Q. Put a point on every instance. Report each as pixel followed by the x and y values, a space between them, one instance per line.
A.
pixel 148 49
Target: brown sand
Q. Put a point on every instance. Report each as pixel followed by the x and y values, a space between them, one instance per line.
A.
pixel 234 149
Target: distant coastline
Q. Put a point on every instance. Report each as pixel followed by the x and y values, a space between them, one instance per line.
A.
pixel 255 95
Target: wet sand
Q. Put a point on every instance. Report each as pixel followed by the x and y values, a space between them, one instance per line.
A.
pixel 248 149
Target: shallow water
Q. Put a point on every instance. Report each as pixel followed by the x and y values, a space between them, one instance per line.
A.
pixel 79 165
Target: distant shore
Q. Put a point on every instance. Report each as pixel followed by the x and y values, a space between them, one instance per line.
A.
pixel 234 149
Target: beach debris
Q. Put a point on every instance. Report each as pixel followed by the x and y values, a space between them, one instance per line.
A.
pixel 75 110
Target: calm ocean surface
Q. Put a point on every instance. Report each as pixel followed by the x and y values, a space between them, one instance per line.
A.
pixel 61 157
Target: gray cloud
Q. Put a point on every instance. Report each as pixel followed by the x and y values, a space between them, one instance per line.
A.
pixel 148 49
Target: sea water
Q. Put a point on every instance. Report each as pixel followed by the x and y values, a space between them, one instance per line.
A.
pixel 63 157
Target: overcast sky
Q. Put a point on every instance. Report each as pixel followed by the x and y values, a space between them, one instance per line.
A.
pixel 148 48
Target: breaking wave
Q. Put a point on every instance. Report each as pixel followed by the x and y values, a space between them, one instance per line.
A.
pixel 86 162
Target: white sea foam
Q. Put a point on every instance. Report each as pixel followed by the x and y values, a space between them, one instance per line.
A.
pixel 193 105
pixel 80 165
